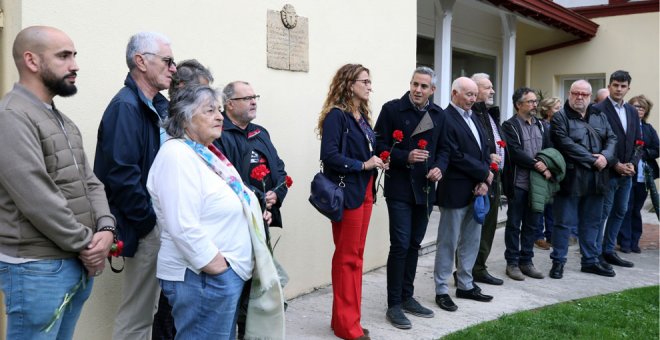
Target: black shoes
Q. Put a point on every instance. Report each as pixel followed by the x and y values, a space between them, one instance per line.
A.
pixel 411 306
pixel 473 284
pixel 445 302
pixel 604 263
pixel 473 294
pixel 557 270
pixel 396 317
pixel 487 278
pixel 597 269
pixel 613 258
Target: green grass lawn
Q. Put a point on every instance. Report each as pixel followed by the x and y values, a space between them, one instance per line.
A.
pixel 631 314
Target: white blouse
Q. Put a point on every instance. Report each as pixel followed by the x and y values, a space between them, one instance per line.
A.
pixel 198 215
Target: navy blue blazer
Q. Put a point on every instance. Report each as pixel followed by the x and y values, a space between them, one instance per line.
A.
pixel 358 150
pixel 463 163
pixel 625 145
pixel 407 182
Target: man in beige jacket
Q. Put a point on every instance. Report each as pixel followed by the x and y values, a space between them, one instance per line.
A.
pixel 55 225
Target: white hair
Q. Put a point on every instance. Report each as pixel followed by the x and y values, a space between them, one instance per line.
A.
pixel 143 42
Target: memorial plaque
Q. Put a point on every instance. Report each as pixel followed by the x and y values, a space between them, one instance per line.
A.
pixel 287 40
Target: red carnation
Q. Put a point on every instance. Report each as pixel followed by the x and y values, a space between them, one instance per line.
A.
pixel 494 166
pixel 422 144
pixel 117 248
pixel 385 155
pixel 288 181
pixel 259 172
pixel 501 143
pixel 639 142
pixel 397 135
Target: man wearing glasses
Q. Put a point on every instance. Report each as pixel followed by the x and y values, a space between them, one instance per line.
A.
pixel 248 145
pixel 584 137
pixel 129 137
pixel 524 135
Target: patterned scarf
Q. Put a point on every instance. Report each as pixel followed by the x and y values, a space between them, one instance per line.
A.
pixel 265 317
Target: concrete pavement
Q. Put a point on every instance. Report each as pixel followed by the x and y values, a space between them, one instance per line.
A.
pixel 308 316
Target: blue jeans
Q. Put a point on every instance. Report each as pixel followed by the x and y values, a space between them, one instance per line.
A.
pixel 520 230
pixel 34 290
pixel 584 213
pixel 631 227
pixel 408 224
pixel 614 210
pixel 204 306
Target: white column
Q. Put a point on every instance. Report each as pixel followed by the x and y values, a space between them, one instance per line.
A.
pixel 442 50
pixel 508 64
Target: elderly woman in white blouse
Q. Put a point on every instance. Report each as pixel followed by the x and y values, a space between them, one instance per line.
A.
pixel 210 241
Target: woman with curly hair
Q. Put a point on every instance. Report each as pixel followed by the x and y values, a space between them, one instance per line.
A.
pixel 347 144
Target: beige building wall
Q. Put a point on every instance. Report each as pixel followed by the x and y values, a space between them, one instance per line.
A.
pixel 230 37
pixel 628 42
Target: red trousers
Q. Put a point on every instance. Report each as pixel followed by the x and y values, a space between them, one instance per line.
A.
pixel 349 236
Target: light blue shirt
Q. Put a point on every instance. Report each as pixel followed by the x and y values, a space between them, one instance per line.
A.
pixel 621 112
pixel 467 116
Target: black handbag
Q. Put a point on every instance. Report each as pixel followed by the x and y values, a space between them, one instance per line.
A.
pixel 327 196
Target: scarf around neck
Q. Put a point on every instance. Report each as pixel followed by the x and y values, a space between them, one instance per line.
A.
pixel 265 316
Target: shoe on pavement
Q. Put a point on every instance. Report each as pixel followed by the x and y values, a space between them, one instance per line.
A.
pixel 473 294
pixel 636 250
pixel 514 273
pixel 456 282
pixel 444 301
pixel 531 271
pixel 487 278
pixel 557 270
pixel 613 258
pixel 542 244
pixel 411 306
pixel 396 317
pixel 597 269
pixel 604 263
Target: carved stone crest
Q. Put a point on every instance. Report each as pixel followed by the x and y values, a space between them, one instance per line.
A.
pixel 289 16
pixel 287 38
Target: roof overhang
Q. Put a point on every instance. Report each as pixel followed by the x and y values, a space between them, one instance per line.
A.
pixel 553 15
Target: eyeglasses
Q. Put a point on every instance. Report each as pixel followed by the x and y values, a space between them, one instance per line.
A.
pixel 531 102
pixel 364 81
pixel 168 60
pixel 580 94
pixel 639 107
pixel 248 98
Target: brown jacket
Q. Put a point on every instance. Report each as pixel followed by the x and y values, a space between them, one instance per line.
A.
pixel 50 201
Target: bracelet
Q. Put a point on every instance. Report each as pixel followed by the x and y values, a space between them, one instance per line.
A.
pixel 364 166
pixel 111 229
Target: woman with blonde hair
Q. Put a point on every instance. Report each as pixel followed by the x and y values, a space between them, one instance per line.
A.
pixel 547 108
pixel 347 144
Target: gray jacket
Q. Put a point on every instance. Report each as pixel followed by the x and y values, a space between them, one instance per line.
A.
pixel 51 201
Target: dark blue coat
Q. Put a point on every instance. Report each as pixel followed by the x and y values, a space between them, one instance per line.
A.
pixel 237 145
pixel 335 164
pixel 651 151
pixel 463 163
pixel 127 142
pixel 407 182
pixel 625 145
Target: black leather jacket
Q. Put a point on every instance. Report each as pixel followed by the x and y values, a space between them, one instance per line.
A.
pixel 578 139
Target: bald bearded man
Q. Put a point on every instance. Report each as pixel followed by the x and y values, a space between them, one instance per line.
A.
pixel 55 224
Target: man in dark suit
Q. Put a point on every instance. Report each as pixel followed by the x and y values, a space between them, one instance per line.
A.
pixel 624 120
pixel 489 116
pixel 409 187
pixel 464 161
